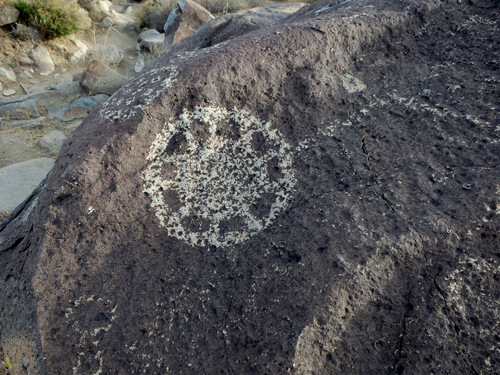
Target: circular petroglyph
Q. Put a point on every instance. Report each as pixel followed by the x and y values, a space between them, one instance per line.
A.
pixel 218 176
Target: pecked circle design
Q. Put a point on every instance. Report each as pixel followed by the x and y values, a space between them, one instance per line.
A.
pixel 217 177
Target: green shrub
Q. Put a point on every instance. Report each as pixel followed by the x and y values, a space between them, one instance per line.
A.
pixel 52 18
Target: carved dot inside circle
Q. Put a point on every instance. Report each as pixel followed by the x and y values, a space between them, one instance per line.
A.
pixel 217 177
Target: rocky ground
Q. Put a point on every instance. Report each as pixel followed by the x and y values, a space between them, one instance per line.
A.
pixel 42 100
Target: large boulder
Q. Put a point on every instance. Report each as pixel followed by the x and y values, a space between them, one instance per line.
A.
pixel 43 60
pixel 99 78
pixel 183 21
pixel 317 197
pixel 232 25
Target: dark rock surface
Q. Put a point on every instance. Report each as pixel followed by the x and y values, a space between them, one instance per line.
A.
pixel 319 197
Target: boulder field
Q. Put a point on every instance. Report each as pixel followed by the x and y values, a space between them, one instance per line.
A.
pixel 321 196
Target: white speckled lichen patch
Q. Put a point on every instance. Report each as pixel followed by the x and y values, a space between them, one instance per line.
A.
pixel 138 93
pixel 218 177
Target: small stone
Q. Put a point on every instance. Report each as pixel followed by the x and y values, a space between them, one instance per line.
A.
pixel 70 88
pixel 100 98
pixel 80 54
pixel 152 44
pixel 8 73
pixel 77 56
pixel 104 6
pixel 77 76
pixel 108 22
pixel 99 78
pixel 78 110
pixel 28 124
pixel 25 61
pixel 140 64
pixel 87 103
pixel 57 112
pixel 8 14
pixel 19 109
pixel 25 74
pixel 131 10
pixel 42 59
pixel 53 141
pixel 9 92
pixel 24 32
pixel 148 33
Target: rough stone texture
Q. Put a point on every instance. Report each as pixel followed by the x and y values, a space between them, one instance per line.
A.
pixel 26 74
pixel 147 33
pixel 317 197
pixel 27 124
pixel 80 108
pixel 183 21
pixel 8 14
pixel 57 112
pixel 53 141
pixel 150 40
pixel 100 98
pixel 97 9
pixel 9 92
pixel 152 44
pixel 132 10
pixel 233 25
pixel 80 53
pixel 99 78
pixel 7 73
pixel 24 32
pixel 108 22
pixel 41 56
pixel 69 88
pixel 17 181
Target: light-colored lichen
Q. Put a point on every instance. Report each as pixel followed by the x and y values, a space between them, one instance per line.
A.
pixel 352 84
pixel 134 97
pixel 90 336
pixel 217 176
